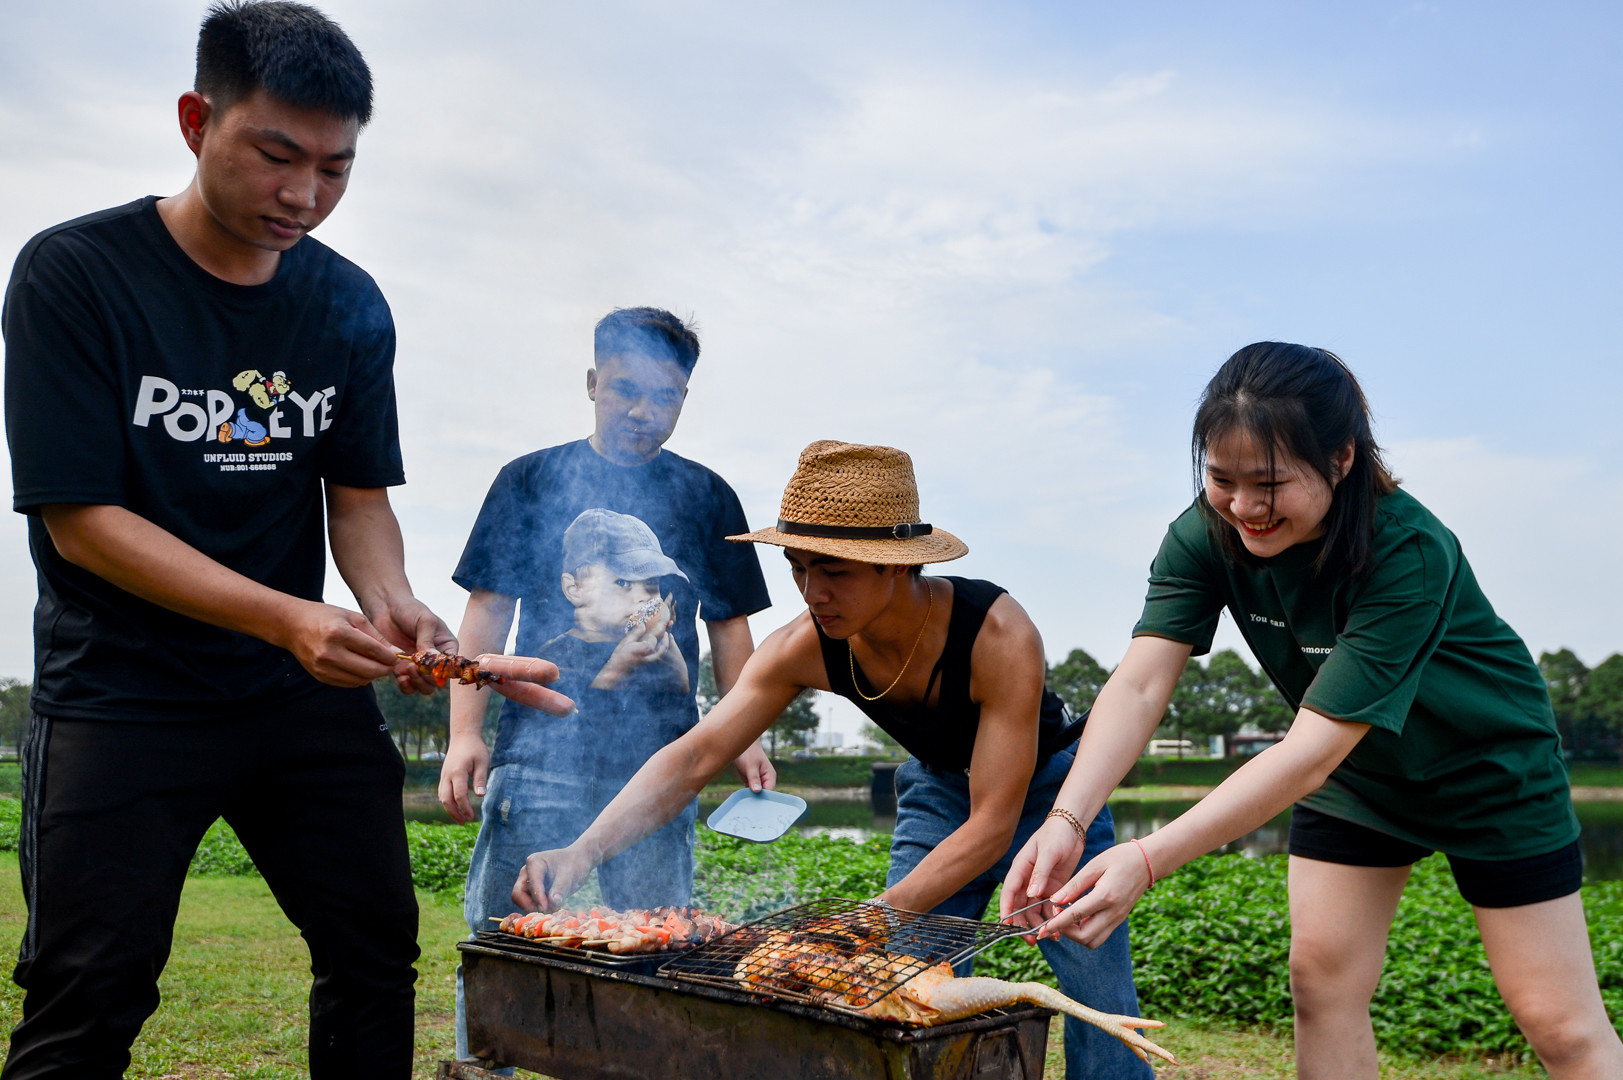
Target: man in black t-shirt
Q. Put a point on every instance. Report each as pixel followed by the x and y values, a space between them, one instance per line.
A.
pixel 191 385
pixel 612 545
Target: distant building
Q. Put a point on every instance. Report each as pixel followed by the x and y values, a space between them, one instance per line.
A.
pixel 1246 745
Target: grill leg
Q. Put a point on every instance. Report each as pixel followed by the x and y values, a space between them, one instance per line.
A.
pixel 471 1069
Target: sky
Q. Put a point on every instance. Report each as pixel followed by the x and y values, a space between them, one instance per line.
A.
pixel 1013 239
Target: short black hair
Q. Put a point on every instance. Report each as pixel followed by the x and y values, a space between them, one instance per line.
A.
pixel 1305 402
pixel 650 331
pixel 291 51
pixel 913 570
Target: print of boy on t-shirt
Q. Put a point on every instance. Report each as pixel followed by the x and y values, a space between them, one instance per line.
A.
pixel 621 640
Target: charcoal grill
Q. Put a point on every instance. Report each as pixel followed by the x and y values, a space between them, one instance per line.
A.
pixel 579 1018
pixel 641 963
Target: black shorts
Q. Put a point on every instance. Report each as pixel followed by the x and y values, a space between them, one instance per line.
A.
pixel 1483 882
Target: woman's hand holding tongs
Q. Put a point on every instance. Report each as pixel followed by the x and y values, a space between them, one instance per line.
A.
pixel 1044 864
pixel 1036 915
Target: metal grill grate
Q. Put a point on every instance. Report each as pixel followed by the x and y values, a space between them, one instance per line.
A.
pixel 840 954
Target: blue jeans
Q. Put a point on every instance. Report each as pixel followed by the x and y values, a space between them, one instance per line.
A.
pixel 529 809
pixel 930 805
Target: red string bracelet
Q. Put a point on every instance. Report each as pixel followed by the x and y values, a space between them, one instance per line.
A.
pixel 1147 864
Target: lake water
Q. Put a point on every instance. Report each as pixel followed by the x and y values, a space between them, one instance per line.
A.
pixel 1602 823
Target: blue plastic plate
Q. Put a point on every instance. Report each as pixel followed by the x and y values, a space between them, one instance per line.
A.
pixel 762 816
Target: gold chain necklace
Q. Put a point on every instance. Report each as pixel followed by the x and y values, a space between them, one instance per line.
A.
pixel 851 655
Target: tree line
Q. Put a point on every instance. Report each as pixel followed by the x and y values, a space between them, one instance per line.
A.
pixel 1224 695
pixel 1220 696
pixel 794 727
pixel 14 712
pixel 1588 704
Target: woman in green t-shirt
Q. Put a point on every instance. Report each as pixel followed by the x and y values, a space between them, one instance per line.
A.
pixel 1422 724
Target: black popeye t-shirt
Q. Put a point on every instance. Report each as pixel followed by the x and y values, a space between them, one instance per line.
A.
pixel 137 379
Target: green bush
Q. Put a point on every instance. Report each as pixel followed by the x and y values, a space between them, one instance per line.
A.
pixel 439 854
pixel 826 771
pixel 745 880
pixel 221 854
pixel 1596 774
pixel 11 823
pixel 1190 772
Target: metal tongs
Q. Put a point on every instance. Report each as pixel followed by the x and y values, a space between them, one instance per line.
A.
pixel 1009 930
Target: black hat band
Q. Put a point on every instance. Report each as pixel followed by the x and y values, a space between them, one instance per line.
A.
pixel 904 531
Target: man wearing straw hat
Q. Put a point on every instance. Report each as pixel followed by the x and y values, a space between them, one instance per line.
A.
pixel 952 668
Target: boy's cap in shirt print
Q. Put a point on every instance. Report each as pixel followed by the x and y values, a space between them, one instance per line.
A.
pixel 621 542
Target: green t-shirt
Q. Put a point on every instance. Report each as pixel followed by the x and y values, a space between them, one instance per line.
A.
pixel 1462 754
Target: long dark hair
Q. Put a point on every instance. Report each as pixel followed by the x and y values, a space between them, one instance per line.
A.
pixel 1304 402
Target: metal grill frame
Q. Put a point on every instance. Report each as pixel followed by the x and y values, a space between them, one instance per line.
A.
pixel 572 1020
pixel 928 939
pixel 646 962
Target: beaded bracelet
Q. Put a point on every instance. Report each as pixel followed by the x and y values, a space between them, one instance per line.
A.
pixel 1146 855
pixel 1070 819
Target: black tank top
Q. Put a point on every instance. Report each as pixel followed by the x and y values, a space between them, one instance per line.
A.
pixel 943 736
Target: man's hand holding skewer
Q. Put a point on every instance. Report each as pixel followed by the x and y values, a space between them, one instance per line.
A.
pixel 409 623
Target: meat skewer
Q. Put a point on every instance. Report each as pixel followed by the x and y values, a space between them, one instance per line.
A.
pixel 444 667
pixel 657 930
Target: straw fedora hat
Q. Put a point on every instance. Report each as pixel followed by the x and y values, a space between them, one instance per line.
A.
pixel 857 502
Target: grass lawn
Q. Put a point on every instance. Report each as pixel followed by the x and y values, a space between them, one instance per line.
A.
pixel 235 992
pixel 1209 1053
pixel 235 989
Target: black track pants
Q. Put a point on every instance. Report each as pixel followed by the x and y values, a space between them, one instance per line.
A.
pixel 112 815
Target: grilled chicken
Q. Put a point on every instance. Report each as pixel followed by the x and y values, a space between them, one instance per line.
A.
pixel 814 967
pixel 937 996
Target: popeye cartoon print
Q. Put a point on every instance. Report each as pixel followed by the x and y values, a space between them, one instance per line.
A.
pixel 251 432
pixel 265 392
